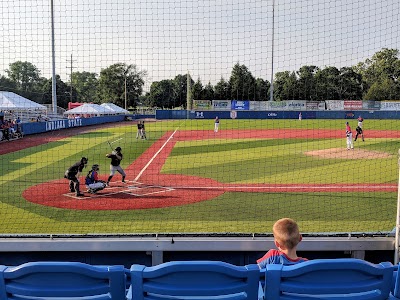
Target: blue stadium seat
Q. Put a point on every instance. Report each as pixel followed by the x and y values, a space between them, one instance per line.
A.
pixel 66 280
pixel 194 280
pixel 331 279
pixel 395 289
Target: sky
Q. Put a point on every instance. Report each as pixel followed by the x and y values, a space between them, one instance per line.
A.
pixel 204 38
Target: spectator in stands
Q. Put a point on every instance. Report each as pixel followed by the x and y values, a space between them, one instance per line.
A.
pixel 286 237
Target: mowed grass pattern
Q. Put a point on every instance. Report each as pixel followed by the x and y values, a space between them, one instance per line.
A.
pixel 236 161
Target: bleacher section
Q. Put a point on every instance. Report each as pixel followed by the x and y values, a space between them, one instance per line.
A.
pixel 314 279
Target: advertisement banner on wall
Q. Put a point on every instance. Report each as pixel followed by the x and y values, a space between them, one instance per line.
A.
pixel 371 104
pixel 296 104
pixel 390 105
pixel 259 105
pixel 201 104
pixel 315 105
pixel 278 105
pixel 352 104
pixel 221 104
pixel 240 105
pixel 334 104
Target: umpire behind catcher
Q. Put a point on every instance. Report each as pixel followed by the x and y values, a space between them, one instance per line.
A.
pixel 116 157
pixel 72 175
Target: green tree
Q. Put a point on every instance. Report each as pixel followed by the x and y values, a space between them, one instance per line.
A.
pixel 6 84
pixel 62 92
pixel 24 74
pixel 306 83
pixel 262 90
pixel 179 90
pixel 381 90
pixel 241 83
pixel 208 92
pixel 327 83
pixel 85 85
pixel 112 88
pixel 197 90
pixel 161 94
pixel 350 85
pixel 285 86
pixel 382 69
pixel 221 90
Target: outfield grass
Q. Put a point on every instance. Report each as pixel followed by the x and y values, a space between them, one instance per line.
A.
pixel 239 161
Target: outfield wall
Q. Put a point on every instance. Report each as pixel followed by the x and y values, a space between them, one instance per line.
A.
pixel 40 127
pixel 207 114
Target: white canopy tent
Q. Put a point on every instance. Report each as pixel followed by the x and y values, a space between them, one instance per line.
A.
pixel 115 108
pixel 89 109
pixel 10 101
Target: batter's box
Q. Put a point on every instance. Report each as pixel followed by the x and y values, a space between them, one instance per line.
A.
pixel 145 190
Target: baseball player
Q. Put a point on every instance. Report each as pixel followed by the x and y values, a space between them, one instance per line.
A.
pixel 139 130
pixel 359 129
pixel 349 137
pixel 93 182
pixel 116 157
pixel 216 124
pixel 72 174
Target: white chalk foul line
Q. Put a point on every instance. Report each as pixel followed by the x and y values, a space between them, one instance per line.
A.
pixel 154 156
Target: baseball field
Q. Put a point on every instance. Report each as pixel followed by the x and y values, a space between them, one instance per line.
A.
pixel 186 178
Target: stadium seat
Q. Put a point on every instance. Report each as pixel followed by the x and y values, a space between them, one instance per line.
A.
pixel 66 280
pixel 194 280
pixel 333 279
pixel 395 289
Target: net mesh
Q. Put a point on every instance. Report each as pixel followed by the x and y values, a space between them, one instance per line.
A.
pixel 184 177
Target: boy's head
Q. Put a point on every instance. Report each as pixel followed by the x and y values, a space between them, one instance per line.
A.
pixel 286 233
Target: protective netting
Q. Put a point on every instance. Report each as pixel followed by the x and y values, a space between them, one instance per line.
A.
pixel 217 59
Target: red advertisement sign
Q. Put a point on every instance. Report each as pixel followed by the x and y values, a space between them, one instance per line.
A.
pixel 353 105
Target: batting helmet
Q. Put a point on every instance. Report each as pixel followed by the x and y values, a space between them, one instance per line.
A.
pixel 84 160
pixel 118 149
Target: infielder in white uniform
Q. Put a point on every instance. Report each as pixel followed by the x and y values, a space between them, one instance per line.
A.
pixel 349 137
pixel 216 124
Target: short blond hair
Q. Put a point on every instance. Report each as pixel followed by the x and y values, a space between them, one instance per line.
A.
pixel 286 232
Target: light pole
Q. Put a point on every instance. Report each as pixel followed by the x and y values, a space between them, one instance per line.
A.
pixel 125 93
pixel 53 56
pixel 271 96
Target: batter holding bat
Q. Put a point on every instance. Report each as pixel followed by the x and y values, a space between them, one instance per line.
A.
pixel 116 157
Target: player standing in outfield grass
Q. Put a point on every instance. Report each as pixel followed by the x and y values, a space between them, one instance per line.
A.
pixel 139 129
pixel 359 128
pixel 216 124
pixel 72 174
pixel 349 137
pixel 143 131
pixel 300 116
pixel 116 157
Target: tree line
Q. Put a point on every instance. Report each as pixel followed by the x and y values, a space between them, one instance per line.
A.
pixel 376 78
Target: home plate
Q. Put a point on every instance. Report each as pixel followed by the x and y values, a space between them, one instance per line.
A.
pixel 144 190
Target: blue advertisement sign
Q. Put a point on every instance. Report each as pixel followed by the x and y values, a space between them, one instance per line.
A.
pixel 240 105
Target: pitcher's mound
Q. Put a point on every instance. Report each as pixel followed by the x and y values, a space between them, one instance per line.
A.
pixel 348 154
